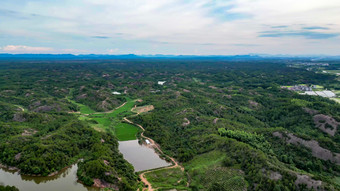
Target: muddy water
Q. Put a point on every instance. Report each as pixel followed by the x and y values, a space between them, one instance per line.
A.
pixel 141 156
pixel 65 180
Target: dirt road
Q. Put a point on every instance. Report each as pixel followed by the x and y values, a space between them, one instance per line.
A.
pixel 154 145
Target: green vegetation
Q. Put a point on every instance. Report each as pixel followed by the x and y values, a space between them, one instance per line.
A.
pixel 205 161
pixel 166 179
pixel 82 108
pixel 207 171
pixel 8 188
pixel 124 110
pixel 125 131
pixel 111 122
pixel 253 139
pixel 217 117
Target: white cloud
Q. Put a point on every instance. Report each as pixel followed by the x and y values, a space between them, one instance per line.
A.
pixel 173 26
pixel 113 51
pixel 25 49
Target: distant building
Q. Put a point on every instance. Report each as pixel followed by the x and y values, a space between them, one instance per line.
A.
pixel 147 142
pixel 116 93
pixel 329 93
pixel 300 88
pixel 161 82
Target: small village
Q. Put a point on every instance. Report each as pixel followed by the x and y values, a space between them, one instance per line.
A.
pixel 314 90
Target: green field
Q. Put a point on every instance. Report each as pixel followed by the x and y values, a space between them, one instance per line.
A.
pixel 197 80
pixel 82 108
pixel 125 132
pixel 126 108
pixel 167 179
pixel 110 122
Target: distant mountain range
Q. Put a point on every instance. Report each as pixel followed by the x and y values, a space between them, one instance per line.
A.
pixel 160 56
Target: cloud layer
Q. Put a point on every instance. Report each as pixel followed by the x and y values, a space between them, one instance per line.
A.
pixel 25 49
pixel 171 26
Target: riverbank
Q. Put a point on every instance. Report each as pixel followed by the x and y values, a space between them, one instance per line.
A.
pixel 155 146
pixel 65 179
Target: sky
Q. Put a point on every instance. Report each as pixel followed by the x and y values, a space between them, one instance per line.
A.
pixel 176 27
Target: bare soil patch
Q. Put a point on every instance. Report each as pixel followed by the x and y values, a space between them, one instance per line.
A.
pixel 29 132
pixel 186 122
pixel 143 109
pixel 253 104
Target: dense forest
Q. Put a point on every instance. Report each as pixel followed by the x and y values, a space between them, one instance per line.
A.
pixel 229 123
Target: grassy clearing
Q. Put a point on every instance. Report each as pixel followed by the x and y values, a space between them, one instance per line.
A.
pixel 197 80
pixel 167 179
pixel 85 109
pixel 206 160
pixel 110 122
pixel 319 87
pixel 125 132
pixel 300 102
pixel 126 108
pixel 336 180
pixel 103 121
pixel 336 99
pixel 82 108
pixel 333 71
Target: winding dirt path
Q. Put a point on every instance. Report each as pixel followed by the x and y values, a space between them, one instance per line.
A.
pixel 154 145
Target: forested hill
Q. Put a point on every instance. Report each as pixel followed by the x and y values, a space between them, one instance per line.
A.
pixel 230 124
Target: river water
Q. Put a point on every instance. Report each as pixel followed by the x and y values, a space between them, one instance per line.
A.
pixel 63 181
pixel 141 156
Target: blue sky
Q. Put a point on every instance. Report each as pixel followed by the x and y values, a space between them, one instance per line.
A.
pixel 200 27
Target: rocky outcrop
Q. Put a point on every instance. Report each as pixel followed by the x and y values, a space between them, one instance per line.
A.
pixel 44 108
pixel 310 111
pixel 17 156
pixel 313 145
pixel 19 117
pixel 326 124
pixel 103 184
pixel 311 183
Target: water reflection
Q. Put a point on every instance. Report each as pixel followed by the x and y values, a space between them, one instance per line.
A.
pixel 141 156
pixel 66 179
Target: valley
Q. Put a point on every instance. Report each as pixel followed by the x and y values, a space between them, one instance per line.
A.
pixel 212 125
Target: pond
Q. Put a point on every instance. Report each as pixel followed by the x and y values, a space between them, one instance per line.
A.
pixel 64 180
pixel 140 156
